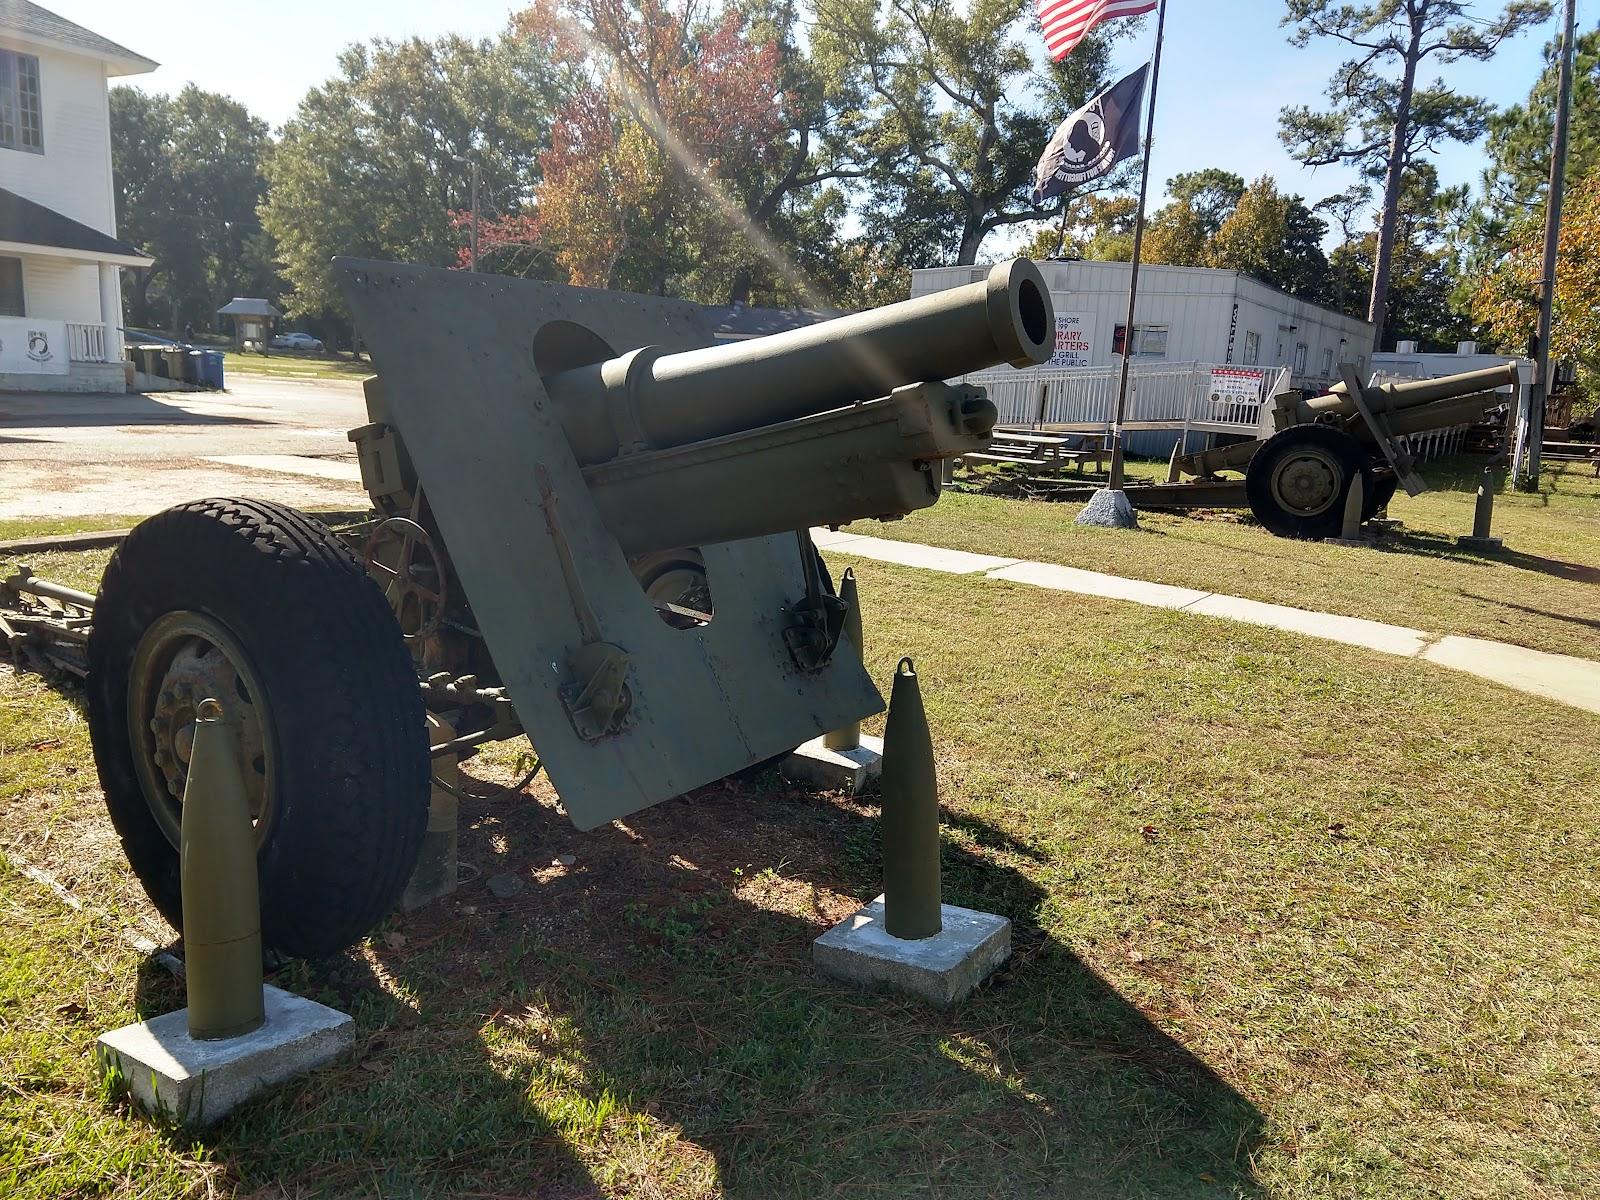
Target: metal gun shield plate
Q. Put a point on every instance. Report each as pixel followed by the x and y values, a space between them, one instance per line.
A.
pixel 455 352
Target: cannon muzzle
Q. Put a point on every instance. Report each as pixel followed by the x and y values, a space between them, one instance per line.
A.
pixel 659 400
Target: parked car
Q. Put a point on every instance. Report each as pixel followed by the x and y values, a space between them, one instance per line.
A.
pixel 297 341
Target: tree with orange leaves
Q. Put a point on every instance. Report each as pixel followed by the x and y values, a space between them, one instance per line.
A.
pixel 692 151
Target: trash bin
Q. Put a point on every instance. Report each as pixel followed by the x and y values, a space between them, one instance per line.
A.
pixel 174 360
pixel 194 367
pixel 211 369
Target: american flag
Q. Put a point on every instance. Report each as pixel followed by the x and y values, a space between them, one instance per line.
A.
pixel 1066 22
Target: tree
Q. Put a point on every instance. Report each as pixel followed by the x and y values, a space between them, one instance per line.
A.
pixel 692 145
pixel 189 177
pixel 1180 232
pixel 368 167
pixel 954 112
pixel 1274 238
pixel 1423 305
pixel 1506 297
pixel 1520 137
pixel 1383 125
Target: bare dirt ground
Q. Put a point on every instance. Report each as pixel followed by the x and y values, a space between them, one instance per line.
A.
pixel 70 456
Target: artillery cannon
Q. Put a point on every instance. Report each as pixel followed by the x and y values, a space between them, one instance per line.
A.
pixel 1296 481
pixel 589 525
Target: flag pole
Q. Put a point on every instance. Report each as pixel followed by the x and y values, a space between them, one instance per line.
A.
pixel 1061 234
pixel 1116 481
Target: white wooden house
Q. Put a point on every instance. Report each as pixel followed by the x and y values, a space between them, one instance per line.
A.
pixel 60 258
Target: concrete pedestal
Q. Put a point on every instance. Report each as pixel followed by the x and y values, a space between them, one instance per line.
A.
pixel 1363 543
pixel 814 765
pixel 1467 542
pixel 943 969
pixel 199 1083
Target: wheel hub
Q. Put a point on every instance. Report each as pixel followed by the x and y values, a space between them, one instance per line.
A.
pixel 1307 483
pixel 182 661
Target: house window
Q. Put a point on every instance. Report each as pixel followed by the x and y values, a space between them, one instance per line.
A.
pixel 1300 349
pixel 1252 348
pixel 1148 340
pixel 11 288
pixel 1327 363
pixel 21 109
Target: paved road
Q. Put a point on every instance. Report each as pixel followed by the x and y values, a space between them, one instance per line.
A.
pixel 272 439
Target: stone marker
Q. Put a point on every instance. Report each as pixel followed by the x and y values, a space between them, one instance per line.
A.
pixel 1109 509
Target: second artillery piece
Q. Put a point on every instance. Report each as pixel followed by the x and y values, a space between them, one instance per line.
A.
pixel 1296 481
pixel 589 525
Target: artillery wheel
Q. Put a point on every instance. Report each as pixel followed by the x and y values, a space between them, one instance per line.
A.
pixel 266 609
pixel 1296 482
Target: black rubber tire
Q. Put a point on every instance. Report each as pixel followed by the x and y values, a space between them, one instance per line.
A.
pixel 1343 448
pixel 351 765
pixel 1378 496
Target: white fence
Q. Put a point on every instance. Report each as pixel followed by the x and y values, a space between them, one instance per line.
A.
pixel 86 343
pixel 1161 396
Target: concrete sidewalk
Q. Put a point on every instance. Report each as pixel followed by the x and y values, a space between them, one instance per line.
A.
pixel 1560 677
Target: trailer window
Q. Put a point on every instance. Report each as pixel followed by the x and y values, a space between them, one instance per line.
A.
pixel 1148 340
pixel 1252 348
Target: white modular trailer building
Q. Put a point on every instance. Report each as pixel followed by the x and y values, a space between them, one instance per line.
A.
pixel 1197 332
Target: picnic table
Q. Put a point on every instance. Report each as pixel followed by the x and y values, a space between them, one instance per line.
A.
pixel 1041 452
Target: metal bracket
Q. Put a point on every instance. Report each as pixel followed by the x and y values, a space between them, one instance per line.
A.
pixel 597 699
pixel 1404 466
pixel 621 377
pixel 818 618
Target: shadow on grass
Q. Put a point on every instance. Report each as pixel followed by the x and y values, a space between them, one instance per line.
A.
pixel 1438 545
pixel 647 1019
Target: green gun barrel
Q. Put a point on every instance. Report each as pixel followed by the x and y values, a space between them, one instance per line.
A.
pixel 696 395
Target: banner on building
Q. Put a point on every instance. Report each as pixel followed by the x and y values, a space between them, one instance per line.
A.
pixel 1235 385
pixel 1074 340
pixel 29 346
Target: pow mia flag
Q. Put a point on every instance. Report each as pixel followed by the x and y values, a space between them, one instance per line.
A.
pixel 1092 140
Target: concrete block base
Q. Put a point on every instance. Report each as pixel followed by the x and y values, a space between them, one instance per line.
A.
pixel 1467 542
pixel 1109 509
pixel 198 1083
pixel 943 969
pixel 814 765
pixel 1363 543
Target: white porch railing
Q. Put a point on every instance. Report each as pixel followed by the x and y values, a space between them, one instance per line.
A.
pixel 1161 396
pixel 86 342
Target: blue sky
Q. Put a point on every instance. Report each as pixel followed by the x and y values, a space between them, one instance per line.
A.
pixel 1226 72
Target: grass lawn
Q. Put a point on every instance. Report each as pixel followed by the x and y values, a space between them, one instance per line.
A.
pixel 1540 591
pixel 1290 922
pixel 288 365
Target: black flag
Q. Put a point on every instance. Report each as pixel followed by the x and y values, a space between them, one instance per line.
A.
pixel 1092 140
